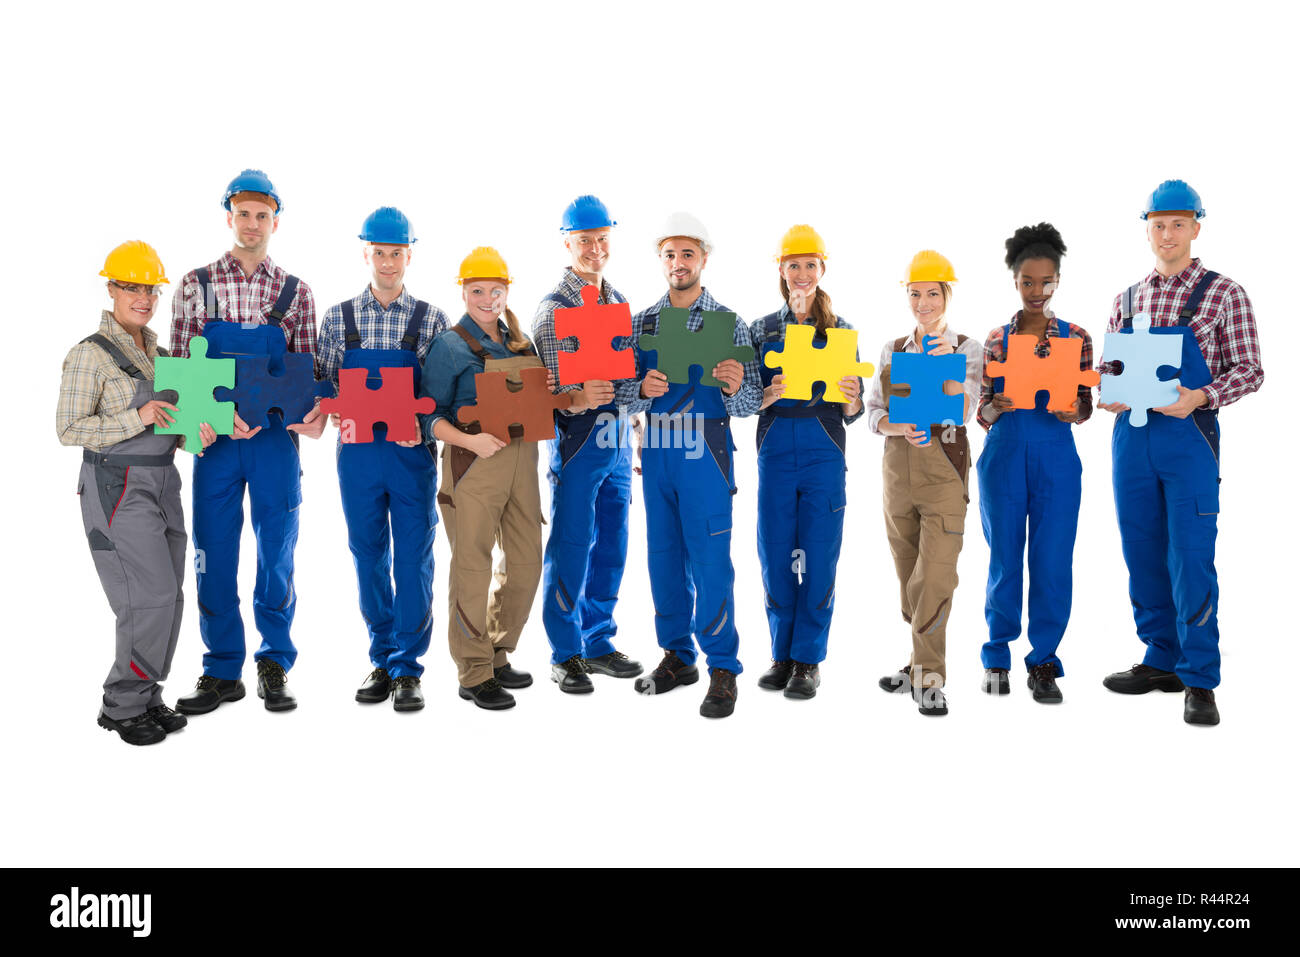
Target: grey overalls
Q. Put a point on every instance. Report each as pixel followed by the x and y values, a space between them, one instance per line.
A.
pixel 131 507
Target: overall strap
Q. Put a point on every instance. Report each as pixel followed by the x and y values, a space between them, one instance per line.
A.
pixel 1126 306
pixel 204 279
pixel 412 335
pixel 772 327
pixel 284 301
pixel 351 338
pixel 117 355
pixel 474 345
pixel 899 343
pixel 1194 300
pixel 961 339
pixel 1062 329
pixel 1006 334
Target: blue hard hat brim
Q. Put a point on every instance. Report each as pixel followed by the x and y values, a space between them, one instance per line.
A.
pixel 578 229
pixel 386 242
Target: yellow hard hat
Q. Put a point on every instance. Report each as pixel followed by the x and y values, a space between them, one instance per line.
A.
pixel 484 263
pixel 134 261
pixel 802 241
pixel 929 266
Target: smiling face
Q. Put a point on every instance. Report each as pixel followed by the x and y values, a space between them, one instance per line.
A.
pixel 252 223
pixel 485 300
pixel 132 307
pixel 387 265
pixel 588 250
pixel 1171 235
pixel 927 302
pixel 802 273
pixel 1036 281
pixel 682 260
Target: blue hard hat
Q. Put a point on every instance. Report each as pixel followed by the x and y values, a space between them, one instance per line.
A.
pixel 252 181
pixel 387 225
pixel 1173 195
pixel 585 212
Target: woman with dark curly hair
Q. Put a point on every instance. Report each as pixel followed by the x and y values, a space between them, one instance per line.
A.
pixel 1029 477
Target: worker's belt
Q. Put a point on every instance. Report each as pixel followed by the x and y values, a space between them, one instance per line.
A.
pixel 126 461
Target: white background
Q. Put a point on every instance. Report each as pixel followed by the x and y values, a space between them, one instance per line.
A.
pixel 889 129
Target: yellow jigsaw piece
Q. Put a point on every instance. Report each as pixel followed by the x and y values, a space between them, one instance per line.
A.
pixel 802 363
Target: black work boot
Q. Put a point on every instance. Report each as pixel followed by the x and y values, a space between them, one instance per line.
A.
pixel 489 695
pixel 167 719
pixel 721 699
pixel 1199 706
pixel 804 681
pixel 208 693
pixel 669 673
pixel 407 695
pixel 615 665
pixel 930 701
pixel 1042 682
pixel 900 682
pixel 512 677
pixel 775 677
pixel 376 688
pixel 1142 678
pixel 273 688
pixel 996 681
pixel 141 729
pixel 571 676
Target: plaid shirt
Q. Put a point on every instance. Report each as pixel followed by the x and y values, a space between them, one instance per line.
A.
pixel 95 395
pixel 758 336
pixel 570 290
pixel 378 327
pixel 747 398
pixel 242 298
pixel 1224 327
pixel 987 415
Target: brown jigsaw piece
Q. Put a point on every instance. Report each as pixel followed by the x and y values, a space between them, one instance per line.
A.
pixel 526 412
pixel 1026 374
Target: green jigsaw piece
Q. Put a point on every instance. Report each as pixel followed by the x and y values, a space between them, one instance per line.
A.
pixel 193 380
pixel 678 348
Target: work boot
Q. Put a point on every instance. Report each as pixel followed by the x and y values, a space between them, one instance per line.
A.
pixel 407 695
pixel 996 681
pixel 1142 678
pixel 899 682
pixel 208 694
pixel 775 677
pixel 670 673
pixel 141 729
pixel 615 665
pixel 512 677
pixel 721 699
pixel 1199 706
pixel 930 701
pixel 804 681
pixel 489 695
pixel 1042 682
pixel 571 676
pixel 272 687
pixel 167 719
pixel 377 687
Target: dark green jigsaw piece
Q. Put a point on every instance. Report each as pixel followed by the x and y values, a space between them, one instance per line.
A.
pixel 678 348
pixel 193 380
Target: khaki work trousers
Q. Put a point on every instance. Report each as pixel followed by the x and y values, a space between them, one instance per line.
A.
pixel 925 516
pixel 495 502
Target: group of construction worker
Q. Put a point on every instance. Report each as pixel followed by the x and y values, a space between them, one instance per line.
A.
pixel 676 435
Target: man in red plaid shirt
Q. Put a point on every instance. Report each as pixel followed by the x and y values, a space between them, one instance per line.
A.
pixel 244 304
pixel 1166 473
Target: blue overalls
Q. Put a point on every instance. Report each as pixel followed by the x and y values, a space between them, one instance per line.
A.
pixel 687 479
pixel 268 464
pixel 383 482
pixel 801 480
pixel 591 492
pixel 1029 471
pixel 1166 477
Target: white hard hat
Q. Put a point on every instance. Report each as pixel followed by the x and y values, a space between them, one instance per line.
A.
pixel 684 224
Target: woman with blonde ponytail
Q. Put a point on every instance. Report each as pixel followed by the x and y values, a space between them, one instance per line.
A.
pixel 801 470
pixel 488 490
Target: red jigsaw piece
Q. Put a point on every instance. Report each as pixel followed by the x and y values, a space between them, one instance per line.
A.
pixel 595 326
pixel 525 413
pixel 393 403
pixel 1026 374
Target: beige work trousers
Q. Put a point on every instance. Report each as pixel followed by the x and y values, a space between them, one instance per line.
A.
pixel 495 502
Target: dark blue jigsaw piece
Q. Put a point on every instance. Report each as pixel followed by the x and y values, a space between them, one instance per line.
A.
pixel 292 388
pixel 927 404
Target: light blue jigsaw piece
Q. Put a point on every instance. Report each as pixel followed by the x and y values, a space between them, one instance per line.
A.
pixel 1143 353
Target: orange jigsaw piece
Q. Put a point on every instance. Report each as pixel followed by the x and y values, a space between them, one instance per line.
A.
pixel 1026 374
pixel 509 413
pixel 596 327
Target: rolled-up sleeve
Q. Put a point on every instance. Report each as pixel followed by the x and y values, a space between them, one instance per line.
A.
pixel 438 381
pixel 750 394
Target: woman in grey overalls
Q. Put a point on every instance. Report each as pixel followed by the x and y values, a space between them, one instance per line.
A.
pixel 130 492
